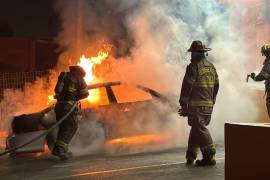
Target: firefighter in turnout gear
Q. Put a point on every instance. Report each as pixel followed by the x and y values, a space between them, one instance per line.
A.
pixel 198 95
pixel 70 88
pixel 264 75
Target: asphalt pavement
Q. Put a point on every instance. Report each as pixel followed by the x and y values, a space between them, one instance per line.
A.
pixel 167 164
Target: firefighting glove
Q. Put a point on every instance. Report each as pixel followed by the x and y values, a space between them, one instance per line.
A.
pixel 183 112
pixel 253 75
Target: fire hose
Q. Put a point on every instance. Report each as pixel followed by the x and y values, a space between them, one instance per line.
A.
pixel 41 135
pixel 58 123
pixel 108 87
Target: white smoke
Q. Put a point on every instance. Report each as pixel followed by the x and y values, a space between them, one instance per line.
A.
pixel 33 98
pixel 169 28
pixel 89 138
pixel 158 34
pixel 162 32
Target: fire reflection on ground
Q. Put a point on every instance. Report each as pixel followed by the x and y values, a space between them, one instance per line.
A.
pixel 143 139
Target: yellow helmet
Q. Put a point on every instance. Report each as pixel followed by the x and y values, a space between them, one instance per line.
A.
pixel 265 50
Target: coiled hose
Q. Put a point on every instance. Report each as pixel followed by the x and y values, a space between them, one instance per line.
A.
pixel 41 135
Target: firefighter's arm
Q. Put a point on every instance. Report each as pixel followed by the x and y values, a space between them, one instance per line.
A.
pixel 216 87
pixel 259 77
pixel 83 90
pixel 60 84
pixel 187 86
pixel 263 75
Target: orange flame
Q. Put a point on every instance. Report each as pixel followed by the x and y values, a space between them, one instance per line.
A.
pixel 50 99
pixel 89 65
pixel 3 134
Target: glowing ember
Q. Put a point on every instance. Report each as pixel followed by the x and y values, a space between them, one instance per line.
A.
pixel 46 148
pixel 142 140
pixel 50 99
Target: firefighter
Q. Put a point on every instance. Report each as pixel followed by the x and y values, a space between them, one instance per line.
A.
pixel 264 75
pixel 198 95
pixel 70 88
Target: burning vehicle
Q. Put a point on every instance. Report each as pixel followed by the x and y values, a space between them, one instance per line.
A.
pixel 130 115
pixel 117 113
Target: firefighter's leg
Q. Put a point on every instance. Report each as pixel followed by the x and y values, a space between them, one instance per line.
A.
pixel 208 153
pixel 193 146
pixel 61 150
pixel 206 143
pixel 67 130
pixel 268 106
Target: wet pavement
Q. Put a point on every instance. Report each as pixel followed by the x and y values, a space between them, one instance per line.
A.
pixel 167 164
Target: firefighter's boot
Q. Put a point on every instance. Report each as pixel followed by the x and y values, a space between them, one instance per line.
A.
pixel 191 155
pixel 61 150
pixel 208 156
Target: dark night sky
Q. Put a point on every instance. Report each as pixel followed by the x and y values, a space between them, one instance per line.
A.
pixel 29 18
pixel 37 19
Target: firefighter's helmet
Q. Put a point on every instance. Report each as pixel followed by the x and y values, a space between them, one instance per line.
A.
pixel 266 50
pixel 78 69
pixel 198 46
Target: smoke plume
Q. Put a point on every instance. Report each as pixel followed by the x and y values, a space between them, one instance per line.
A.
pixel 150 41
pixel 161 32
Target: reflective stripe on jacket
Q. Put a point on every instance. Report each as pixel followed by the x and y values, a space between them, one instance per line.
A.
pixel 75 88
pixel 200 85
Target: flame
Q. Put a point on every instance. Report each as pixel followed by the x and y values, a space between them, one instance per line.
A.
pixel 46 148
pixel 3 134
pixel 50 99
pixel 143 139
pixel 89 65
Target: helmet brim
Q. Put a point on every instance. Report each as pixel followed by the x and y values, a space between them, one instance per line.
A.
pixel 201 50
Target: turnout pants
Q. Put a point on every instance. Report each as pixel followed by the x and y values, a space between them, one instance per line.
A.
pixel 268 100
pixel 267 93
pixel 68 127
pixel 199 137
pixel 268 107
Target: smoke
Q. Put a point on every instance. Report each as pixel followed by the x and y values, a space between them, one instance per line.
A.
pixel 89 138
pixel 150 40
pixel 86 26
pixel 157 35
pixel 32 98
pixel 163 32
pixel 174 26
